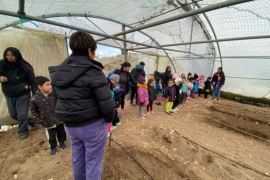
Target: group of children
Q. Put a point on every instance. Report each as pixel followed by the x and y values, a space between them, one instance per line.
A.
pixel 178 90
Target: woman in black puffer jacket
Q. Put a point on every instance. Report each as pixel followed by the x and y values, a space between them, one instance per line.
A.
pixel 84 103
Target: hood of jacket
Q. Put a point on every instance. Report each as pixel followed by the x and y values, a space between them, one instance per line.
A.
pixel 71 69
pixel 139 68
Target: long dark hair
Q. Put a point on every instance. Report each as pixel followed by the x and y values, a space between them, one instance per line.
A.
pixel 15 52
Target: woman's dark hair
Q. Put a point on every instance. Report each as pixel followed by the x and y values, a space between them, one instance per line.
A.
pixel 125 64
pixel 220 68
pixel 15 52
pixel 196 76
pixel 80 42
pixel 170 80
pixel 167 68
pixel 158 79
pixel 142 63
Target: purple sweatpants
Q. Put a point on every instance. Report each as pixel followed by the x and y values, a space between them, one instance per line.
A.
pixel 88 143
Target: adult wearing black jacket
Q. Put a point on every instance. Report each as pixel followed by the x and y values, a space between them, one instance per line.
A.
pixel 17 79
pixel 85 104
pixel 138 70
pixel 124 81
pixel 166 76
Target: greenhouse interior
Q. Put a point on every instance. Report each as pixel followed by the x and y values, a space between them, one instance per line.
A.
pixel 196 36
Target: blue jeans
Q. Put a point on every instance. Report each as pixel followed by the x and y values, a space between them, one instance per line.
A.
pixel 88 144
pixel 18 108
pixel 216 92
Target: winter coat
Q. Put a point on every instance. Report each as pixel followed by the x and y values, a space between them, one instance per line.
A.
pixel 152 93
pixel 207 84
pixel 195 86
pixel 177 89
pixel 42 109
pixel 170 93
pixel 142 98
pixel 165 78
pixel 158 88
pixel 201 83
pixel 20 76
pixel 81 91
pixel 125 79
pixel 218 79
pixel 184 87
pixel 117 91
pixel 138 70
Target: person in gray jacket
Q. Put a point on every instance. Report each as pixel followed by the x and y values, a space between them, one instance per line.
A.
pixel 84 103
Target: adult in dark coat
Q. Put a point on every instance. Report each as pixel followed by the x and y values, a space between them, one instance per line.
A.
pixel 125 80
pixel 85 104
pixel 138 70
pixel 18 79
pixel 218 80
pixel 166 76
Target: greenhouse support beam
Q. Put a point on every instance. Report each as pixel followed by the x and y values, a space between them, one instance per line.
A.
pixel 125 43
pixel 21 7
pixel 8 13
pixel 214 40
pixel 214 33
pixel 184 15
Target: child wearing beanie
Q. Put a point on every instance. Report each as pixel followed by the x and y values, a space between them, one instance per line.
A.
pixel 142 98
pixel 117 96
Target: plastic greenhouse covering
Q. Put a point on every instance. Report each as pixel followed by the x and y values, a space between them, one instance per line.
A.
pixel 233 34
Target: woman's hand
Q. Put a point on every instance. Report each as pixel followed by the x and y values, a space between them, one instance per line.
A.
pixel 3 79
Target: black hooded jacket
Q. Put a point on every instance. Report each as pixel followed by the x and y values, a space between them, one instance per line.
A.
pixel 81 91
pixel 20 76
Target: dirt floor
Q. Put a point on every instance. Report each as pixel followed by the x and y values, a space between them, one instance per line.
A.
pixel 201 141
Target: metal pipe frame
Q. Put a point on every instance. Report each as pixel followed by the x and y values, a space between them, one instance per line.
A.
pixel 21 7
pixel 92 32
pixel 214 33
pixel 231 57
pixel 184 15
pixel 214 40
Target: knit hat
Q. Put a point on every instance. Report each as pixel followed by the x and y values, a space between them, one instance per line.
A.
pixel 141 79
pixel 110 74
pixel 115 78
pixel 178 80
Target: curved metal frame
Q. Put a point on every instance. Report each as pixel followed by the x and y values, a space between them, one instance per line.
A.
pixel 214 33
pixel 91 16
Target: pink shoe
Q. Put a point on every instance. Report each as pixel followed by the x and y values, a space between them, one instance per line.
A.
pixel 123 111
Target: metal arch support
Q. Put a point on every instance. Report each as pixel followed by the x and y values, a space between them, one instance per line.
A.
pixel 91 16
pixel 212 28
pixel 21 7
pixel 212 7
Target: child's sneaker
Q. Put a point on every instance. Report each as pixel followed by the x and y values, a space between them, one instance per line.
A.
pixel 169 113
pixel 118 124
pixel 176 109
pixel 53 151
pixel 173 110
pixel 142 118
pixel 123 111
pixel 113 127
pixel 63 146
pixel 151 112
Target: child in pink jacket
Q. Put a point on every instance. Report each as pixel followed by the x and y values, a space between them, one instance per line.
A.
pixel 142 95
